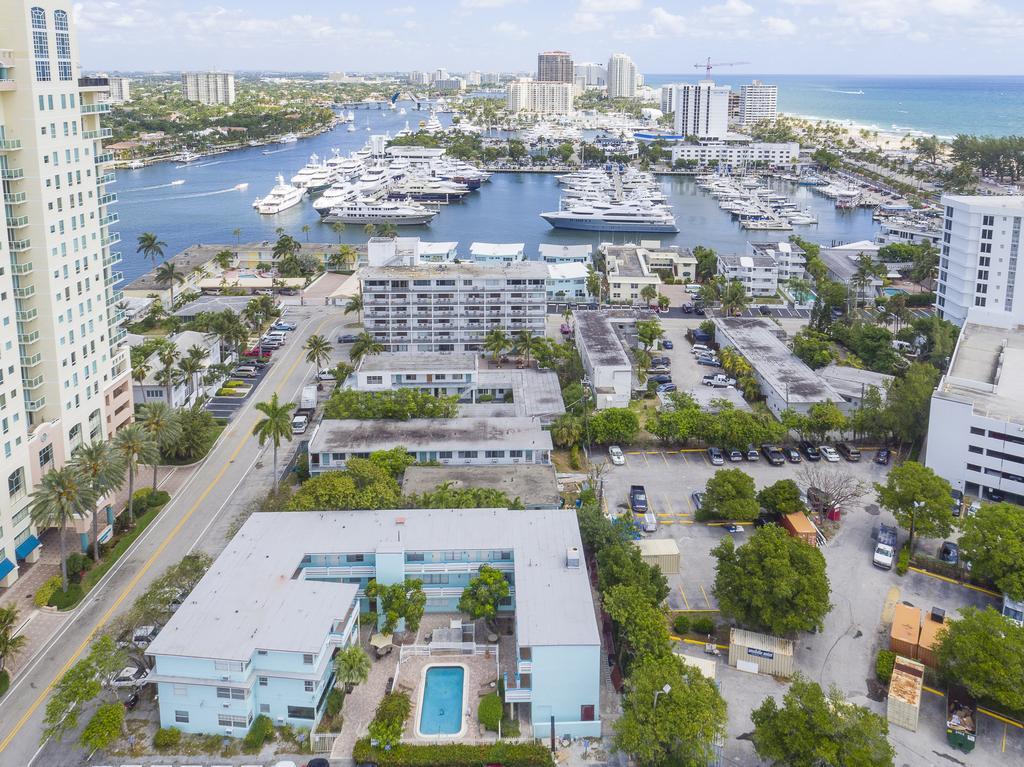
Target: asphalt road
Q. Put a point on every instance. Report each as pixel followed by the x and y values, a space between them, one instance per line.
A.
pixel 235 473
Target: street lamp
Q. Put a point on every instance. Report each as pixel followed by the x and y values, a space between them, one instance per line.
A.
pixel 666 689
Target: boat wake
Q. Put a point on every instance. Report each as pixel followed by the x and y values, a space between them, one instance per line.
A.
pixel 235 188
pixel 177 182
pixel 848 93
pixel 275 151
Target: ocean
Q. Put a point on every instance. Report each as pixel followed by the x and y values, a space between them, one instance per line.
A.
pixel 941 105
pixel 203 203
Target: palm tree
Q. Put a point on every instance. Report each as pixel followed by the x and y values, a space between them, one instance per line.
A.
pixel 168 356
pixel 233 333
pixel 305 231
pixel 388 230
pixel 10 645
pixel 139 372
pixel 224 259
pixel 135 446
pixel 524 344
pixel 649 293
pixel 642 357
pixel 238 235
pixel 162 424
pixel 363 345
pixel 62 496
pixel 168 274
pixel 355 304
pixel 151 247
pixel 318 350
pixel 189 367
pixel 496 342
pixel 734 298
pixel 340 259
pixel 594 283
pixel 338 228
pixel 100 465
pixel 566 431
pixel 370 230
pixel 867 270
pixel 351 666
pixel 275 426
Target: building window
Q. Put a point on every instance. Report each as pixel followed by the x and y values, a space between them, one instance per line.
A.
pixel 979 301
pixel 262 681
pixel 988 220
pixel 976 430
pixel 467 453
pixel 973 467
pixel 43 71
pixel 494 453
pixel 60 21
pixel 264 708
pixel 227 665
pixel 374 379
pixel 231 693
pixel 444 454
pixel 308 658
pixel 38 18
pixel 300 712
pixel 414 557
pixel 46 455
pixel 226 720
pixel 975 449
pixel 354 558
pixel 16 483
pixel 309 686
pixel 587 713
pixel 181 690
pixel 181 717
pixel 64 70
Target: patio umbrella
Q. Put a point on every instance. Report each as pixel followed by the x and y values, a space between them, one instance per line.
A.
pixel 380 641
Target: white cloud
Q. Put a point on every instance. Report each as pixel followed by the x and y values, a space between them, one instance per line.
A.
pixel 729 9
pixel 609 6
pixel 486 3
pixel 672 23
pixel 774 25
pixel 583 21
pixel 508 29
pixel 401 10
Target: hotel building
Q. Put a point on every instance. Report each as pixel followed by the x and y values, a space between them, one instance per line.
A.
pixel 66 377
pixel 701 110
pixel 208 87
pixel 548 98
pixel 758 102
pixel 555 67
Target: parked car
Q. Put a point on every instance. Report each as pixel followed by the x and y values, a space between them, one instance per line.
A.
pixel 698 310
pixel 847 451
pixel 282 325
pixel 697 348
pixel 773 455
pixel 958 501
pixel 616 456
pixel 766 518
pixel 299 424
pixel 752 454
pixel 664 361
pixel 733 528
pixel 715 456
pixel 143 636
pixel 129 676
pixel 949 553
pixel 713 362
pixel 810 452
pixel 996 496
pixel 828 453
pixel 698 499
pixel 661 378
pixel 131 701
pixel 348 338
pixel 318 762
pixel 666 388
pixel 883 456
pixel 325 375
pixel 792 454
pixel 666 344
pixel 688 308
pixel 735 456
pixel 244 371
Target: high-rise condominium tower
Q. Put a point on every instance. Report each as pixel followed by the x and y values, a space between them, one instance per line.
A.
pixel 208 87
pixel 554 67
pixel 64 366
pixel 621 76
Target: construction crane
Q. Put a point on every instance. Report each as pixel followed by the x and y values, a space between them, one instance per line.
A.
pixel 707 65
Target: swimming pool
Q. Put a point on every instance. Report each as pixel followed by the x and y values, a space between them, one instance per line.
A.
pixel 442 701
pixel 894 291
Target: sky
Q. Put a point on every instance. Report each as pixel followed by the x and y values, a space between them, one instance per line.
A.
pixel 662 36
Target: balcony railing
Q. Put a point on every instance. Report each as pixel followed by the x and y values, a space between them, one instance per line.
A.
pixel 118 336
pixel 98 133
pixel 28 362
pixel 110 218
pixel 9 144
pixel 27 339
pixel 107 178
pixel 18 222
pixel 101 106
pixel 115 296
pixel 33 383
pixel 26 292
pixel 22 268
pixel 26 316
pixel 20 246
pixel 6 84
pixel 113 279
pixel 11 174
pixel 112 258
pixel 107 199
pixel 35 405
pixel 15 198
pixel 87 83
pixel 105 157
pixel 110 239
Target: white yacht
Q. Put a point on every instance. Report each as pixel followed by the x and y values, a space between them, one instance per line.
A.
pixel 314 176
pixel 281 197
pixel 433 125
pixel 614 217
pixel 373 181
pixel 366 212
pixel 335 195
pixel 288 138
pixel 186 157
pixel 427 189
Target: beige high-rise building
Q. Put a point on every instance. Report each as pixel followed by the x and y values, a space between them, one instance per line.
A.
pixel 65 375
pixel 208 87
pixel 539 97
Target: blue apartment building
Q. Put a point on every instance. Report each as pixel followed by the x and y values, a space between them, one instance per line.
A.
pixel 257 634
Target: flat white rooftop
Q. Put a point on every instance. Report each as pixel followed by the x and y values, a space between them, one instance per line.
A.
pixel 366 436
pixel 987 369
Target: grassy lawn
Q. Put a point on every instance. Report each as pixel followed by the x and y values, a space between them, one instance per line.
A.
pixel 77 591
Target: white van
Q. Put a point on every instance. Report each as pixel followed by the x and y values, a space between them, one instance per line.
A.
pixel 697 348
pixel 299 424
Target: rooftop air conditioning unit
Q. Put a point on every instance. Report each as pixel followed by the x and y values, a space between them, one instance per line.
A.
pixel 572 558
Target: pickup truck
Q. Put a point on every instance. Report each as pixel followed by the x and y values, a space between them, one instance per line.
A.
pixel 885 548
pixel 718 381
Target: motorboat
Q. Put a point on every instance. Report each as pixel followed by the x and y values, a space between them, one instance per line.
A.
pixel 367 212
pixel 288 138
pixel 614 217
pixel 281 197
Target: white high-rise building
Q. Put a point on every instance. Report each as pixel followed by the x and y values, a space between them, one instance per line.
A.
pixel 440 74
pixel 120 90
pixel 548 98
pixel 208 87
pixel 758 102
pixel 594 74
pixel 419 78
pixel 621 76
pixel 701 110
pixel 980 260
pixel 65 377
pixel 668 98
pixel 474 78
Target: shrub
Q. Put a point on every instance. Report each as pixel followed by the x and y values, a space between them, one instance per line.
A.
pixel 44 592
pixel 167 739
pixel 920 299
pixel 77 563
pixel 532 754
pixel 159 498
pixel 681 624
pixel 703 626
pixel 394 707
pixel 260 732
pixel 884 662
pixel 334 700
pixel 903 560
pixel 490 711
pixel 5 682
pixel 140 499
pixel 62 600
pixel 575 458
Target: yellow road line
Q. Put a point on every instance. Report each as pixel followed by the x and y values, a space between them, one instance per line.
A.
pixel 697 641
pixel 105 618
pixel 985 711
pixel 956 582
pixel 683 595
pixel 702 591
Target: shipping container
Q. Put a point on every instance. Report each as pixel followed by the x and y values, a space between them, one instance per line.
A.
pixel 662 552
pixel 760 653
pixel 706 666
pixel 905 694
pixel 799 526
pixel 927 642
pixel 906 631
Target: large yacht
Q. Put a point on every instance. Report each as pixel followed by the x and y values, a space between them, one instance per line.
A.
pixel 335 195
pixel 614 217
pixel 281 197
pixel 366 212
pixel 428 189
pixel 314 176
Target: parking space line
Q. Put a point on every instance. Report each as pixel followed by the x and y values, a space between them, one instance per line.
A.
pixel 1003 749
pixel 664 459
pixel 702 591
pixel 956 582
pixel 683 595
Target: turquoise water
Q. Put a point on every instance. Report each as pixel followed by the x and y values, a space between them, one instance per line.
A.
pixel 944 105
pixel 441 712
pixel 894 291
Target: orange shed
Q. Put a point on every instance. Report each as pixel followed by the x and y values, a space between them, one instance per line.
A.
pixel 799 526
pixel 906 631
pixel 927 642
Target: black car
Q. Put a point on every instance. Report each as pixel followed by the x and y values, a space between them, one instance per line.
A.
pixel 698 310
pixel 996 496
pixel 792 454
pixel 663 361
pixel 811 453
pixel 348 338
pixel 318 761
pixel 661 378
pixel 883 456
pixel 131 701
pixel 773 455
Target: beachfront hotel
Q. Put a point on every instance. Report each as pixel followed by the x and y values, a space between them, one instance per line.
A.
pixel 66 376
pixel 258 634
